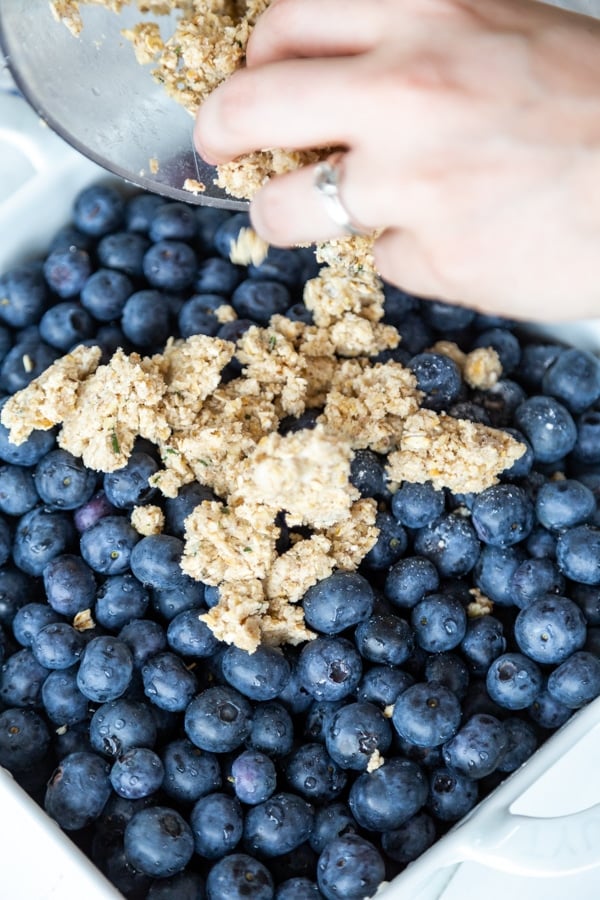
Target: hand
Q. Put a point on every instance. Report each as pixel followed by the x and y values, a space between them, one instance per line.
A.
pixel 472 130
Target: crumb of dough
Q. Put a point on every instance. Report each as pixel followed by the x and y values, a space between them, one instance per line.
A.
pixel 337 291
pixel 293 572
pixel 388 711
pixel 224 545
pixel 284 625
pixel 83 620
pixel 27 363
pixel 306 473
pixel 239 613
pixel 243 177
pixel 148 519
pixel 451 350
pixel 455 453
pixel 376 760
pixel 50 397
pixel 482 368
pixel 146 41
pixel 480 605
pixel 352 538
pixel 367 404
pixel 271 360
pixel 248 248
pixel 225 313
pixel 153 165
pixel 194 186
pixel 353 253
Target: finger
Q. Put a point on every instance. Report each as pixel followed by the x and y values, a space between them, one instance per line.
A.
pixel 296 28
pixel 403 261
pixel 297 103
pixel 289 209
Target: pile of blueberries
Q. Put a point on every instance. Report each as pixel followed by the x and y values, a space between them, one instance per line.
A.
pixel 186 768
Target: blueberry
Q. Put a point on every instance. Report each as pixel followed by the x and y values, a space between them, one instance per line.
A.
pixel 123 251
pixel 24 739
pixel 409 840
pixel 119 600
pixel 338 602
pixel 409 580
pixel 541 544
pixel 30 619
pixel 185 886
pixel 155 560
pixel 329 668
pixel 502 515
pixel 218 719
pixel 271 729
pixel 239 877
pixel 40 536
pixel 439 622
pixel 21 680
pixel 30 451
pixel 65 325
pixel 62 481
pixel 182 595
pixel 427 714
pixel 494 571
pixel 280 264
pixel 69 236
pixel 190 773
pixel 548 426
pixel 198 315
pixel 136 773
pixel 106 546
pixel 576 681
pixel 58 646
pixel 573 377
pixel 562 504
pixel 446 317
pixel 587 445
pixel 77 791
pixel 146 318
pixel 105 294
pixel 388 796
pixel 477 747
pixel 521 467
pixel 385 639
pixel 367 474
pixel 354 733
pixel 350 867
pixel 178 508
pixel 24 295
pixel 297 889
pixel 63 702
pixel 91 512
pixel 21 365
pixel 450 543
pixel 550 629
pixel 381 685
pixel 438 377
pixel 390 545
pixel 228 231
pixel 128 487
pixel 158 841
pixel 450 670
pixel 332 820
pixel 533 578
pixel 105 669
pixel 17 490
pixel 217 276
pixel 69 584
pixel 188 635
pixel 514 681
pixel 416 505
pixel 535 359
pixel 451 795
pixel 415 333
pixel 521 743
pixel 587 598
pixel 217 824
pixel 547 712
pixel 506 345
pixel 483 642
pixel 168 684
pixel 98 209
pixel 170 265
pixel 278 825
pixel 578 554
pixel 254 777
pixel 260 675
pixel 259 300
pixel 66 271
pixel 140 211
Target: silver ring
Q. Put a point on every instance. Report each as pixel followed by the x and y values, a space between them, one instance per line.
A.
pixel 328 175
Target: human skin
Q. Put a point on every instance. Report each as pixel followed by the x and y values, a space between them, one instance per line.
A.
pixel 472 131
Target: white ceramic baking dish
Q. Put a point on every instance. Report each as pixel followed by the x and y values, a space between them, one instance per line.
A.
pixel 537 835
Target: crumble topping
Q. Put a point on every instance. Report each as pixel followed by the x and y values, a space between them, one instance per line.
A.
pixel 480 605
pixel 248 248
pixel 147 519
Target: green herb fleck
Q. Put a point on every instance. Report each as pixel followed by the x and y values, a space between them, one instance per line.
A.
pixel 247 549
pixel 115 442
pixel 272 342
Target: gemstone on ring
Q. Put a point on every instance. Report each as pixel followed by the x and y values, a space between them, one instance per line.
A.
pixel 327 183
